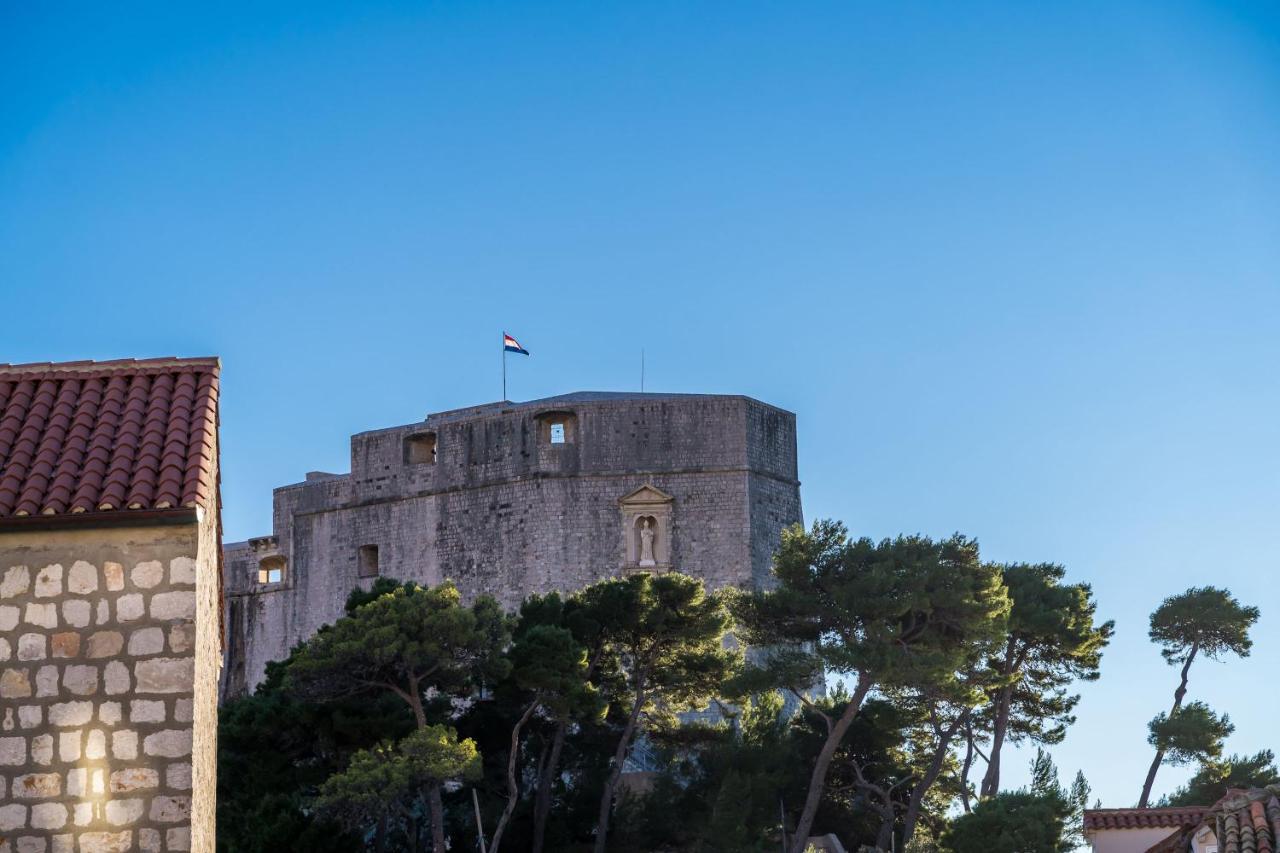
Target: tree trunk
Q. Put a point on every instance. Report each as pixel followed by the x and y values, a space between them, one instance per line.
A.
pixel 542 803
pixel 1177 704
pixel 513 789
pixel 964 773
pixel 1004 703
pixel 818 780
pixel 922 787
pixel 619 757
pixel 437 818
pixel 884 840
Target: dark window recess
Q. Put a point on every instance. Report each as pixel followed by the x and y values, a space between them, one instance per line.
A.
pixel 271 570
pixel 420 449
pixel 368 561
pixel 557 433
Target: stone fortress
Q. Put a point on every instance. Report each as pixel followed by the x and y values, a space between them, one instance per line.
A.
pixel 518 498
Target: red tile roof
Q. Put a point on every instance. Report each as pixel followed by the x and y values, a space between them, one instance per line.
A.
pixel 111 436
pixel 1143 818
pixel 1247 821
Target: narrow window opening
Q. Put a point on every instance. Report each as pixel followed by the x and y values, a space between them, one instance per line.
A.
pixel 271 570
pixel 557 433
pixel 420 449
pixel 368 561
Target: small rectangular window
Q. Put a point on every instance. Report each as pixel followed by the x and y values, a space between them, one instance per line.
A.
pixel 420 449
pixel 271 570
pixel 368 561
pixel 557 433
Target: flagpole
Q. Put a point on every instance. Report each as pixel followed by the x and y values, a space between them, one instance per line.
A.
pixel 504 368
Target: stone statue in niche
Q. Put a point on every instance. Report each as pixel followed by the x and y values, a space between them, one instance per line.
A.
pixel 646 543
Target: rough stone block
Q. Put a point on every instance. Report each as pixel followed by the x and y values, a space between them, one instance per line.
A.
pixel 80 679
pixel 70 713
pixel 146 641
pixel 182 570
pixel 178 777
pixel 95 745
pixel 31 844
pixel 13 751
pixel 109 713
pixel 146 711
pixel 169 743
pixel 77 781
pixel 121 812
pixel 148 574
pixel 30 716
pixel 170 809
pixel 13 817
pixel 149 840
pixel 134 779
pixel 48 816
pixel 113 576
pixel 106 842
pixel 65 644
pixel 124 744
pixel 82 814
pixel 173 605
pixel 178 838
pixel 82 578
pixel 47 681
pixel 17 581
pixel 6 649
pixel 63 844
pixel 116 676
pixel 9 616
pixel 15 684
pixel 49 581
pixel 69 748
pixel 165 675
pixel 182 638
pixel 104 612
pixel 42 749
pixel 41 615
pixel 129 608
pixel 76 613
pixel 37 786
pixel 105 644
pixel 32 647
pixel 182 710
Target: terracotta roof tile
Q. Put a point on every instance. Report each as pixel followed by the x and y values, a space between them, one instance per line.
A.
pixel 87 437
pixel 1172 818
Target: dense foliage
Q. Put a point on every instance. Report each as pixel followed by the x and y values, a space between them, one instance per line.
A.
pixel 624 717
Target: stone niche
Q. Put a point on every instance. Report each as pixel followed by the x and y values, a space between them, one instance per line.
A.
pixel 646 529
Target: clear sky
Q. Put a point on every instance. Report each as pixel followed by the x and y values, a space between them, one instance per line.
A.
pixel 1016 267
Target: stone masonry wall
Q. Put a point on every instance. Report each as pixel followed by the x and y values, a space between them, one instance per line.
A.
pixel 97 662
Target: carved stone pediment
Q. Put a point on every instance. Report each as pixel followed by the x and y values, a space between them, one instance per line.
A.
pixel 646 529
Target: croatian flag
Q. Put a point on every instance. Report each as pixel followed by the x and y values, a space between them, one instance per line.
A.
pixel 510 344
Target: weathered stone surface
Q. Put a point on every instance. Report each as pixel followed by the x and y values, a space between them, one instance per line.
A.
pixel 165 675
pixel 134 779
pixel 12 817
pixel 122 812
pixel 116 676
pixel 76 613
pixel 106 842
pixel 32 647
pixel 9 616
pixel 169 743
pixel 41 615
pixel 42 749
pixel 49 581
pixel 17 581
pixel 95 745
pixel 146 641
pixel 14 684
pixel 80 680
pixel 47 681
pixel 6 649
pixel 104 612
pixel 77 781
pixel 65 644
pixel 83 815
pixel 105 644
pixel 124 744
pixel 82 578
pixel 34 786
pixel 149 841
pixel 182 570
pixel 129 608
pixel 178 838
pixel 63 843
pixel 182 710
pixel 69 747
pixel 13 751
pixel 173 605
pixel 48 816
pixel 70 713
pixel 109 713
pixel 182 638
pixel 178 777
pixel 31 844
pixel 170 809
pixel 30 716
pixel 146 711
pixel 113 576
pixel 146 575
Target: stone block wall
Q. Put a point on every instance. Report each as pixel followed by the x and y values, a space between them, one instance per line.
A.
pixel 98 693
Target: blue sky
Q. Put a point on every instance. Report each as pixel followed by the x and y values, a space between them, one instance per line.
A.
pixel 1016 267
